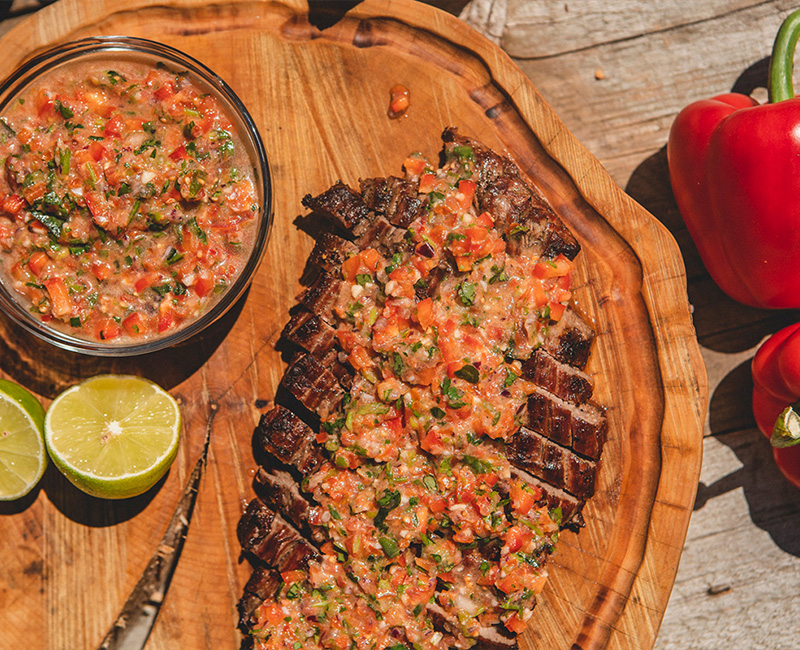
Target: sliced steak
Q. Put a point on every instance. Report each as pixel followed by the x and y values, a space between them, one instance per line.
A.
pixel 551 462
pixel 561 379
pixel 570 339
pixel 313 385
pixel 583 427
pixel 383 236
pixel 526 220
pixel 330 251
pixel 285 437
pixel 311 333
pixel 395 198
pixel 281 492
pixel 339 204
pixel 322 297
pixel 269 537
pixel 264 584
pixel 556 497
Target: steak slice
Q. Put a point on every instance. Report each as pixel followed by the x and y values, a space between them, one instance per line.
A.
pixel 339 204
pixel 311 333
pixel 281 492
pixel 285 437
pixel 313 385
pixel 526 220
pixel 570 339
pixel 264 584
pixel 269 537
pixel 330 251
pixel 582 427
pixel 395 198
pixel 569 505
pixel 551 462
pixel 381 235
pixel 322 297
pixel 561 379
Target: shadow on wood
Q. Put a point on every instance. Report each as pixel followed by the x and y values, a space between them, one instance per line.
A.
pixel 771 499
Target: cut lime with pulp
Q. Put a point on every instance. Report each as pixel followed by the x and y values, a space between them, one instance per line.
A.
pixel 22 455
pixel 113 436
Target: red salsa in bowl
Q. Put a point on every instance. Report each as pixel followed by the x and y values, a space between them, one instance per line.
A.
pixel 134 196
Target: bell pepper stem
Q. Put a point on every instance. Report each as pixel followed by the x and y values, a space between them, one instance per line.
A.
pixel 782 60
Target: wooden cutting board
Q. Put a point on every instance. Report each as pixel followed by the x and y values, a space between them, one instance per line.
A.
pixel 317 84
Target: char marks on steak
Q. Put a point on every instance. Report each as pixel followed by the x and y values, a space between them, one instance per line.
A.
pixel 528 222
pixel 554 455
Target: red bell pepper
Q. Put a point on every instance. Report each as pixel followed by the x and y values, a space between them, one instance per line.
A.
pixel 776 397
pixel 735 172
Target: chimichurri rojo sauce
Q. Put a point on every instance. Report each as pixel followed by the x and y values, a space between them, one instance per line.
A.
pixel 127 200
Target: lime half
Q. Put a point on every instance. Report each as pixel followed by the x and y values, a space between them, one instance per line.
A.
pixel 22 455
pixel 113 436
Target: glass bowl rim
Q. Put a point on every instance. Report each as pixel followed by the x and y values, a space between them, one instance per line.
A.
pixel 71 51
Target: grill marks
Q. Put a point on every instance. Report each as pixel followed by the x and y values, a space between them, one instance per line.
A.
pixel 558 448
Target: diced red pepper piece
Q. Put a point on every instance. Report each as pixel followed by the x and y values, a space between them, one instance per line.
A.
pixel 38 262
pixel 204 285
pixel 135 324
pixel 13 203
pixel 60 302
pixel 107 329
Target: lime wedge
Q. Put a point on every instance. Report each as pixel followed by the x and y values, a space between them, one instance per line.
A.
pixel 22 456
pixel 113 436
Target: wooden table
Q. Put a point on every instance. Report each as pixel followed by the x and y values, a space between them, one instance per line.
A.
pixel 617 73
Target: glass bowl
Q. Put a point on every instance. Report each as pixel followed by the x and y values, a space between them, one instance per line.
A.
pixel 109 50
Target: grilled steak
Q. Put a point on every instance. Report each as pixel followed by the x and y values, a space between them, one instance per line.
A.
pixel 435 428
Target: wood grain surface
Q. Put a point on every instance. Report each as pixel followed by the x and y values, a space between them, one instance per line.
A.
pixel 317 85
pixel 740 568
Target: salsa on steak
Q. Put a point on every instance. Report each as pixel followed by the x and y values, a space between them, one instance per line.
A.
pixel 436 431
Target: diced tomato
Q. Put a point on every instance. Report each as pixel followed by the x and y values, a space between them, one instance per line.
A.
pixel 556 310
pixel 97 150
pixel 295 575
pixel 38 262
pixel 521 499
pixel 179 154
pixel 517 536
pixel 114 126
pixel 553 268
pixel 466 190
pixel 97 101
pixel 166 91
pixel 427 183
pixel 359 358
pixel 485 219
pixel 515 624
pixel 146 281
pixel 370 257
pixel 135 324
pixel 13 203
pixel 44 102
pixel 437 504
pixel 241 196
pixel 167 318
pixel 432 442
pixel 399 100
pixel 107 329
pixel 101 269
pixel 351 267
pixel 204 284
pixel 98 206
pixel 414 166
pixel 425 313
pixel 60 302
